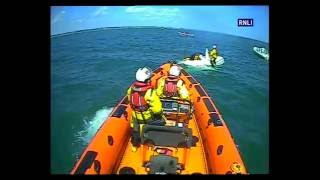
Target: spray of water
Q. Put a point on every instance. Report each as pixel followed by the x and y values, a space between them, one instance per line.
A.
pixel 194 65
pixel 90 127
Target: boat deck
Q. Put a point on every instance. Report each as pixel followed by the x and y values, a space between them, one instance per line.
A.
pixel 193 158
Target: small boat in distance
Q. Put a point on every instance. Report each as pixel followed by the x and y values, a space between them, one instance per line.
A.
pixel 185 34
pixel 262 52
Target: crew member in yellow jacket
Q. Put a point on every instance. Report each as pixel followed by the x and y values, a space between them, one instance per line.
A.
pixel 145 103
pixel 172 86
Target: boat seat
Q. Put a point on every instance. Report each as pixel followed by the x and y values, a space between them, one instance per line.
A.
pixel 170 136
pixel 163 164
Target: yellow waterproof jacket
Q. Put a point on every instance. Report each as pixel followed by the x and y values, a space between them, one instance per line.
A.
pixel 213 53
pixel 182 89
pixel 154 102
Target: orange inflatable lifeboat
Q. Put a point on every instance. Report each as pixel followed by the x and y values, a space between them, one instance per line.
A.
pixel 195 139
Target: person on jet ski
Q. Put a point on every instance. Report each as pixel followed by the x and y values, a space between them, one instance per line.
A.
pixel 145 103
pixel 172 86
pixel 213 54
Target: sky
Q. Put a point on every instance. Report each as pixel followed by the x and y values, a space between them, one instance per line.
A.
pixel 222 19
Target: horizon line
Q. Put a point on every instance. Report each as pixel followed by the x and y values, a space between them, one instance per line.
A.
pixel 110 27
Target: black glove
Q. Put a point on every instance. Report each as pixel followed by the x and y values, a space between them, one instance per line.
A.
pixel 135 138
pixel 158 120
pixel 157 117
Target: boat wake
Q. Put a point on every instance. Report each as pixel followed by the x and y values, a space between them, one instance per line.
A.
pixel 90 127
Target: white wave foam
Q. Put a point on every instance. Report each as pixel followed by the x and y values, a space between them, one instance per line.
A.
pixel 191 64
pixel 91 125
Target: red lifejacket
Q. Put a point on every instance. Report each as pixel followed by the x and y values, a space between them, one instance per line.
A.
pixel 170 86
pixel 137 101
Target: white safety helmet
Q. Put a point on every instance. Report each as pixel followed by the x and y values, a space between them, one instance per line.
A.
pixel 214 46
pixel 175 70
pixel 143 74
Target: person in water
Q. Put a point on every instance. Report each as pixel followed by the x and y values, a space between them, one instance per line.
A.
pixel 195 56
pixel 213 54
pixel 173 86
pixel 145 103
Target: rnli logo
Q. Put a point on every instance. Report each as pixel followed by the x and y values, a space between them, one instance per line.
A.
pixel 245 22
